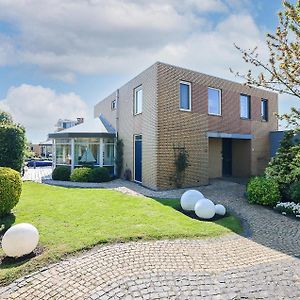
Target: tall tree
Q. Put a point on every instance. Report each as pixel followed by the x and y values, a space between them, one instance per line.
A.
pixel 281 73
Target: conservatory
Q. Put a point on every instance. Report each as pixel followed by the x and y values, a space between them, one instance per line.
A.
pixel 90 143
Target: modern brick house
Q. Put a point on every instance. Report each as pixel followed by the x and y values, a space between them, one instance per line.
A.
pixel 223 125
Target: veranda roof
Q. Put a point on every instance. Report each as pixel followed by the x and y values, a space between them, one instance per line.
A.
pixel 98 127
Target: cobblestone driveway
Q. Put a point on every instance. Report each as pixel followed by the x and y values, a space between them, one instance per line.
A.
pixel 264 266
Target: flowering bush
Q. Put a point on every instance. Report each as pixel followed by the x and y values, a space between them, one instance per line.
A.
pixel 288 208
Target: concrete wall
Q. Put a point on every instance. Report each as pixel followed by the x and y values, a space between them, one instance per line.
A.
pixel 215 158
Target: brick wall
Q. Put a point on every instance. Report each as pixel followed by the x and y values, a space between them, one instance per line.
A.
pixel 189 128
pixel 163 125
pixel 129 125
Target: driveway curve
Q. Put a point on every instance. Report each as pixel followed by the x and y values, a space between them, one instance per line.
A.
pixel 263 266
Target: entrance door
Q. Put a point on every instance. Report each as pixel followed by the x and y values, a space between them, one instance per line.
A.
pixel 138 158
pixel 227 157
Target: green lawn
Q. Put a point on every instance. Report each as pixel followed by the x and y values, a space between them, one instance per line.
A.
pixel 71 219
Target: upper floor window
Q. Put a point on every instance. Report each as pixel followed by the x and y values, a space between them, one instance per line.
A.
pixel 185 96
pixel 114 104
pixel 138 100
pixel 214 102
pixel 264 109
pixel 245 106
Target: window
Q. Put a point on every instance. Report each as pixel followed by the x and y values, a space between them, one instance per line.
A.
pixel 185 96
pixel 245 106
pixel 109 154
pixel 264 109
pixel 114 104
pixel 138 100
pixel 214 101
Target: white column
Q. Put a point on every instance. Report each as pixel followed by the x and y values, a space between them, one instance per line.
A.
pixel 101 149
pixel 53 154
pixel 72 154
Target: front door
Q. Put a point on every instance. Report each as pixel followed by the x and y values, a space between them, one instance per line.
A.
pixel 138 158
pixel 227 157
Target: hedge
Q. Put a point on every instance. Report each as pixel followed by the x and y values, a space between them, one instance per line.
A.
pixel 12 146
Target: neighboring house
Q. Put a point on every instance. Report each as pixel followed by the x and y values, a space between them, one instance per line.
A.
pixel 223 125
pixel 46 148
pixel 35 148
pixel 66 123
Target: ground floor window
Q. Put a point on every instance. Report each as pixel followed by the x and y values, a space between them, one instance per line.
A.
pixel 63 154
pixel 85 151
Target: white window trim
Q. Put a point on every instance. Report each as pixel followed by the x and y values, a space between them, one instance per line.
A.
pixel 190 95
pixel 220 101
pixel 135 90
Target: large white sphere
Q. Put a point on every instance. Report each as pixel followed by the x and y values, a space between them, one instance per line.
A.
pixel 205 209
pixel 220 209
pixel 189 199
pixel 20 239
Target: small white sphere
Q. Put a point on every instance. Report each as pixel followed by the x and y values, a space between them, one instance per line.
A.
pixel 20 239
pixel 189 199
pixel 220 209
pixel 205 209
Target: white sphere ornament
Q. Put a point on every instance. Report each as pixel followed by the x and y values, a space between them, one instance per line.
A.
pixel 205 209
pixel 20 239
pixel 189 199
pixel 220 209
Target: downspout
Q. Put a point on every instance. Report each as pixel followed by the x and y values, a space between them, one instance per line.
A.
pixel 117 126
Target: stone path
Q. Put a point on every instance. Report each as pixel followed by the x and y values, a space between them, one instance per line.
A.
pixel 263 266
pixel 38 174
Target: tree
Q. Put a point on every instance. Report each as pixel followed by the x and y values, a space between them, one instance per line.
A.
pixel 281 73
pixel 12 143
pixel 5 117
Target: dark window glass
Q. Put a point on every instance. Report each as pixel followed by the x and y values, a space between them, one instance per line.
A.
pixel 264 109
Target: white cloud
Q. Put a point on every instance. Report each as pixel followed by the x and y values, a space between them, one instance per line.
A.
pixel 38 108
pixel 66 37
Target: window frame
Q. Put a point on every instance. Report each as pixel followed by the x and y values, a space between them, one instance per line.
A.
pixel 135 91
pixel 113 104
pixel 249 107
pixel 189 84
pixel 265 117
pixel 220 101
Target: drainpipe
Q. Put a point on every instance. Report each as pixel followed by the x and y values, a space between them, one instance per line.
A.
pixel 117 111
pixel 117 126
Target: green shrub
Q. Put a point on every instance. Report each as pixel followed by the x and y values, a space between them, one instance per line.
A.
pixel 12 146
pixel 295 192
pixel 10 189
pixel 61 173
pixel 284 168
pixel 264 191
pixel 81 174
pixel 99 174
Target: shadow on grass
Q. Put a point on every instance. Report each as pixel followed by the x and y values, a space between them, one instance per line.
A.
pixel 229 221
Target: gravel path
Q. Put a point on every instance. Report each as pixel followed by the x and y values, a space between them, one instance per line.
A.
pixel 262 266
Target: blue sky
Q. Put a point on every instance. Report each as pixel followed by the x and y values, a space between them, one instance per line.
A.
pixel 58 58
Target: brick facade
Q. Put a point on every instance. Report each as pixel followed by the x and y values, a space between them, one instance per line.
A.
pixel 163 125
